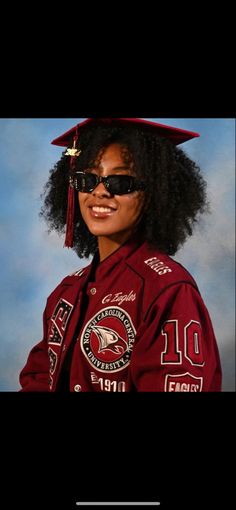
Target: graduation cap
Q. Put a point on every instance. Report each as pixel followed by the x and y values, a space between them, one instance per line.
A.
pixel 175 135
pixel 69 139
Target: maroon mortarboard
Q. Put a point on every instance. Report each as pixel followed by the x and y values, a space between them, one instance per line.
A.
pixel 175 135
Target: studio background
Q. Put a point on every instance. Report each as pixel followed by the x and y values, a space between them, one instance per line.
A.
pixel 33 262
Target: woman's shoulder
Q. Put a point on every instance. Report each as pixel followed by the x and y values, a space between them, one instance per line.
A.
pixel 156 266
pixel 69 280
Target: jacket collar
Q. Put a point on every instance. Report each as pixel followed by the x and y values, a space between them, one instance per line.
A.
pixel 103 269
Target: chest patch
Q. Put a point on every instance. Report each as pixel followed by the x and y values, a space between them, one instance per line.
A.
pixel 107 339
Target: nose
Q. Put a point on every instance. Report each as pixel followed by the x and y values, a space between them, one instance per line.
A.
pixel 100 191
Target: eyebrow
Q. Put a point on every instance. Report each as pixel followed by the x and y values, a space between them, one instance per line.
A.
pixel 115 169
pixel 124 167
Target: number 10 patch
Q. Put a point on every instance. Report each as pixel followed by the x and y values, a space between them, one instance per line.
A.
pixel 192 340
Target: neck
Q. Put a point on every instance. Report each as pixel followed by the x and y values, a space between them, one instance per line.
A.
pixel 107 245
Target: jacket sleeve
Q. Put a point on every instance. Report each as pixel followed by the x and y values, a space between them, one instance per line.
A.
pixel 35 374
pixel 175 348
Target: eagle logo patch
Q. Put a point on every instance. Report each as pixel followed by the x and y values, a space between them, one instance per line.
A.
pixel 107 340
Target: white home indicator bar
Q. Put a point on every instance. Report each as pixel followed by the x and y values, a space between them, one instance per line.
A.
pixel 116 503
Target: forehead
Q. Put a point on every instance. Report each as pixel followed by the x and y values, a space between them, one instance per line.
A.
pixel 114 152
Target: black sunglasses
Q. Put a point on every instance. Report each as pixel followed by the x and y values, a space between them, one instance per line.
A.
pixel 115 184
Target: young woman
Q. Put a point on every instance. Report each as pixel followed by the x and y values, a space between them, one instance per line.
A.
pixel 133 319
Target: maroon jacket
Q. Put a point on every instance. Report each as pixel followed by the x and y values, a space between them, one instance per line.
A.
pixel 137 323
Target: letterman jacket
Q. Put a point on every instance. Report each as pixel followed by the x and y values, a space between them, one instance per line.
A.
pixel 145 327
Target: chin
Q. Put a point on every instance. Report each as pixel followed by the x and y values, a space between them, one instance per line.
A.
pixel 100 229
pixel 99 232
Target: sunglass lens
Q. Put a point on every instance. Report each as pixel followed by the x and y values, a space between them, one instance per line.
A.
pixel 119 184
pixel 86 182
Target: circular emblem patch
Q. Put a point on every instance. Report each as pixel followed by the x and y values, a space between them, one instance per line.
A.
pixel 107 339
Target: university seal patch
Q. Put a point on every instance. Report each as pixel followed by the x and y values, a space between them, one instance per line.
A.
pixel 107 339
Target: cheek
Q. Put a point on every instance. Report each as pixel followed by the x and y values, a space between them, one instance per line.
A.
pixel 81 200
pixel 82 206
pixel 132 206
pixel 136 204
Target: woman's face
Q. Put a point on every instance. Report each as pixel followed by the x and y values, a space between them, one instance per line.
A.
pixel 108 215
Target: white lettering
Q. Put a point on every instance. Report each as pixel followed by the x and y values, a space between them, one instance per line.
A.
pixel 108 385
pixel 172 386
pixel 183 387
pixel 119 297
pixel 158 266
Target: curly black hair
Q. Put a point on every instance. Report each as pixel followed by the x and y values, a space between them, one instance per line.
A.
pixel 175 189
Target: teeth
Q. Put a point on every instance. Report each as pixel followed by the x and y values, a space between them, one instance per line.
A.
pixel 102 209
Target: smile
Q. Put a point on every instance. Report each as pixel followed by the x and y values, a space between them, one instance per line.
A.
pixel 97 209
pixel 100 212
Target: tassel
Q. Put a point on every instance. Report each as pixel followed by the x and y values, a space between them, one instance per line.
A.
pixel 69 238
pixel 70 218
